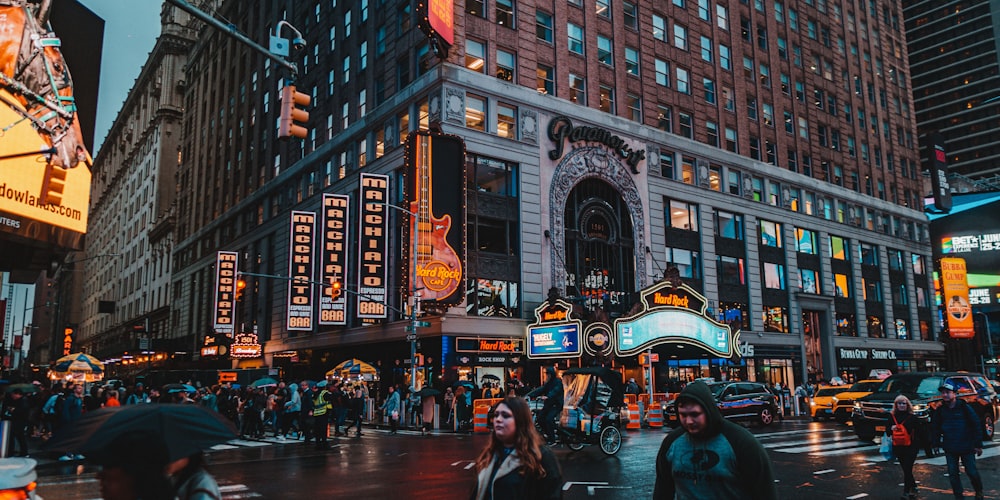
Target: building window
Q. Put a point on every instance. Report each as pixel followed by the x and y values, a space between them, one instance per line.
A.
pixel 838 248
pixel 686 262
pixel 577 89
pixel 686 125
pixel 775 319
pixel 731 144
pixel 575 35
pixel 607 99
pixel 543 26
pixel 841 283
pixel 475 55
pixel 805 241
pixel 683 81
pixel 603 8
pixel 774 276
pixel 476 8
pixel 770 233
pixel 709 90
pixel 918 264
pixel 706 49
pixel 505 13
pixel 729 225
pixel 635 108
pixel 680 37
pixel 662 69
pixel 869 254
pixel 475 112
pixel 810 281
pixel 631 15
pixel 631 61
pixel 683 215
pixel 732 271
pixel 712 135
pixel 505 65
pixel 604 50
pixel 506 121
pixel 546 79
pixel 725 57
pixel 664 121
pixel 659 28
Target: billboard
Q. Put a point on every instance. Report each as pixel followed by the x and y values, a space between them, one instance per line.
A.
pixel 435 165
pixel 302 234
pixel 333 257
pixel 226 268
pixel 554 334
pixel 955 290
pixel 373 224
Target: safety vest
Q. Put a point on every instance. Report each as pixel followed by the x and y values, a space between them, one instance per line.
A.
pixel 320 404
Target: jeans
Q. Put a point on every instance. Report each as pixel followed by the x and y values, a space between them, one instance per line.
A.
pixel 907 455
pixel 969 459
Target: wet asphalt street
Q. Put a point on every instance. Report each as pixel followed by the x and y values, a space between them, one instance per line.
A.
pixel 811 460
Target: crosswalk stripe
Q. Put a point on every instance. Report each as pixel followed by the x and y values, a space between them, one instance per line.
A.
pixel 813 441
pixel 819 448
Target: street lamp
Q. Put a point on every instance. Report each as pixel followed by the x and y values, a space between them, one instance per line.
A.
pixel 414 298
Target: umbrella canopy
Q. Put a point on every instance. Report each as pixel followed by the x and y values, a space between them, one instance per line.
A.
pixel 321 383
pixel 350 367
pixel 465 383
pixel 427 392
pixel 25 388
pixel 186 429
pixel 175 388
pixel 490 378
pixel 77 366
pixel 264 382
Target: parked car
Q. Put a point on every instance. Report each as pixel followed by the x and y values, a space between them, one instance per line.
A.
pixel 871 412
pixel 843 403
pixel 821 404
pixel 738 401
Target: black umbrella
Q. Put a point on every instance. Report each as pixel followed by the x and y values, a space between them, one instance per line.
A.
pixel 428 391
pixel 186 429
pixel 466 383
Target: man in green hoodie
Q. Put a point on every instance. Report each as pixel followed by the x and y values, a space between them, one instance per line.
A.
pixel 709 456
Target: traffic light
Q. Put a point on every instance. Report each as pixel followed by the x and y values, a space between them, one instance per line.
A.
pixel 292 114
pixel 53 183
pixel 334 290
pixel 241 285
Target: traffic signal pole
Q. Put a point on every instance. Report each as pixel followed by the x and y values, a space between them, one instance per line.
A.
pixel 230 30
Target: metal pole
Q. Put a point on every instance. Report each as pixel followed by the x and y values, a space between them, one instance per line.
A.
pixel 231 31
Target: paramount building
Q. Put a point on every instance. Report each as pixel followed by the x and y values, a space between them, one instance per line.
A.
pixel 760 154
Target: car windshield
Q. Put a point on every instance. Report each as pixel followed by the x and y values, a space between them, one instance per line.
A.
pixel 830 391
pixel 865 386
pixel 921 386
pixel 718 388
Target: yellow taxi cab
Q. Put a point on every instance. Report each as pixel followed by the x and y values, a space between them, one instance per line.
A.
pixel 843 403
pixel 821 404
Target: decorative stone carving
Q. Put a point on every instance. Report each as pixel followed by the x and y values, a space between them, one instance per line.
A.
pixel 529 126
pixel 583 163
pixel 454 103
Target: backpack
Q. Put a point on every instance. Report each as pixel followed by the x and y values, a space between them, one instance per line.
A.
pixel 900 436
pixel 50 405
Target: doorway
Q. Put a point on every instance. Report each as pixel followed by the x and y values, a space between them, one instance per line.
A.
pixel 811 333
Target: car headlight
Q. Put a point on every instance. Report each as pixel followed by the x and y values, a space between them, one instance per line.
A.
pixel 919 409
pixel 812 403
pixel 857 406
pixel 835 400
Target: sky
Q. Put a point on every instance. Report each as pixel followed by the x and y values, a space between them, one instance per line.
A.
pixel 130 31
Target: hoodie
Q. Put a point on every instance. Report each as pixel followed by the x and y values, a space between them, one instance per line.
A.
pixel 725 462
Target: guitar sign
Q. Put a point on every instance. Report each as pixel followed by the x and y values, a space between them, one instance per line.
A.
pixel 437 246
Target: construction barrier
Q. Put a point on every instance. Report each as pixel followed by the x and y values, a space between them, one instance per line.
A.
pixel 481 414
pixel 633 417
pixel 630 399
pixel 654 417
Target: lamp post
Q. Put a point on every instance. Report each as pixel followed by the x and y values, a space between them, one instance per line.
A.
pixel 989 342
pixel 414 298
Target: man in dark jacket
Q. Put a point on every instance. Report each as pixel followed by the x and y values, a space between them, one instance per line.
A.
pixel 709 456
pixel 16 410
pixel 957 431
pixel 552 393
pixel 306 412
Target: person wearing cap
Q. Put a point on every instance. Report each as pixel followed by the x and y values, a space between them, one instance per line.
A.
pixel 956 430
pixel 138 395
pixel 709 456
pixel 552 395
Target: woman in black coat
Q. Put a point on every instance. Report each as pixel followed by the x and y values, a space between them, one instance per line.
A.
pixel 516 464
pixel 902 416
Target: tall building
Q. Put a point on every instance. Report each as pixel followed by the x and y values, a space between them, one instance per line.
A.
pixel 127 264
pixel 608 145
pixel 955 71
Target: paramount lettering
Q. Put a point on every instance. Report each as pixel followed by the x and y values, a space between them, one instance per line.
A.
pixel 561 128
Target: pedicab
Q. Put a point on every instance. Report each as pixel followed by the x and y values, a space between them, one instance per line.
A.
pixel 593 398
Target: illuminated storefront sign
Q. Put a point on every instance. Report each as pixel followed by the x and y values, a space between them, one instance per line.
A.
pixel 226 268
pixel 436 165
pixel 215 345
pixel 67 341
pixel 333 258
pixel 372 244
pixel 300 270
pixel 485 345
pixel 866 354
pixel 245 346
pixel 674 315
pixel 561 129
pixel 554 334
pixel 597 339
pixel 989 242
pixel 956 298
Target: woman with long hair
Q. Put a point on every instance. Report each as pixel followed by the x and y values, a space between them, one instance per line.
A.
pixel 516 464
pixel 904 431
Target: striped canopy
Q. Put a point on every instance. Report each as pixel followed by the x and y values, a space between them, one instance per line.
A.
pixel 352 366
pixel 78 366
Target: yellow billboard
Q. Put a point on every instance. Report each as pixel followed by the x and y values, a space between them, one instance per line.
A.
pixel 955 293
pixel 22 173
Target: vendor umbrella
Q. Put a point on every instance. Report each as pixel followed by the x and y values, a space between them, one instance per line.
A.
pixel 175 388
pixel 186 429
pixel 264 382
pixel 350 367
pixel 78 366
pixel 428 391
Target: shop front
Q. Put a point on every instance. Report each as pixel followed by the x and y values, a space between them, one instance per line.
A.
pixel 486 361
pixel 855 364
